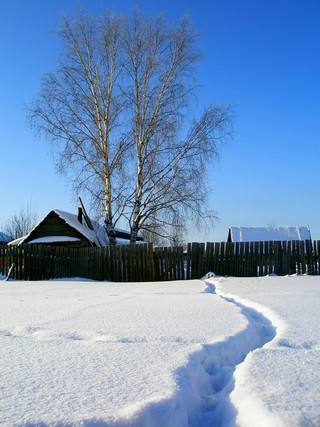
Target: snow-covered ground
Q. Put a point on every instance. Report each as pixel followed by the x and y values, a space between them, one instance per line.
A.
pixel 214 352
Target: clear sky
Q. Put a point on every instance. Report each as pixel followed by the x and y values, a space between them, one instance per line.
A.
pixel 262 56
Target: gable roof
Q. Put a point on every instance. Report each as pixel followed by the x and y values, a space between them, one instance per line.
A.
pixel 263 234
pixel 96 236
pixel 74 228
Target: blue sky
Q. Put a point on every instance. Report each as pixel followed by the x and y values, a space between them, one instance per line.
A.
pixel 261 56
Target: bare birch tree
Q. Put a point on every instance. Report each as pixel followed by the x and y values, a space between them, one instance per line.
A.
pixel 80 108
pixel 173 149
pixel 119 110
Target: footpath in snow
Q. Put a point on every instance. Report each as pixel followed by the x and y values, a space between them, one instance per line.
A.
pixel 281 381
pixel 190 353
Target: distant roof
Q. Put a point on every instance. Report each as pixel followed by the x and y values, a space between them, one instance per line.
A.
pixel 4 238
pixel 263 234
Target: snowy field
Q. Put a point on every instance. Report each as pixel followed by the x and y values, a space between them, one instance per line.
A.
pixel 220 352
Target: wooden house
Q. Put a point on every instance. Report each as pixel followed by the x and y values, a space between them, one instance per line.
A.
pixel 264 234
pixel 61 228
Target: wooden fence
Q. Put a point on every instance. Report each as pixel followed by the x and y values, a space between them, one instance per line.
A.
pixel 144 263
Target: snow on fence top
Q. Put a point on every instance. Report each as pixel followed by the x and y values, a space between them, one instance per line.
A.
pixel 263 234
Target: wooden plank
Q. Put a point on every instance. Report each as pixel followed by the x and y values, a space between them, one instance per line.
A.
pixel 177 262
pixel 161 264
pixel 222 259
pixel 192 252
pixel 256 258
pixel 276 258
pixel 171 259
pixel 201 261
pixel 213 258
pixel 251 260
pixel 2 257
pixel 309 257
pixel 165 264
pixel 289 258
pixel 178 252
pixel 295 258
pixel 34 269
pixel 156 263
pixel 139 265
pixel 236 259
pixel 298 258
pixel 303 260
pixel 228 259
pixel 246 257
pixel 240 259
pixel 123 263
pixel 262 259
pixel 315 253
pixel 317 256
pixel 112 266
pixel 188 262
pixel 270 257
pixel 284 258
pixel 216 257
pixel 208 257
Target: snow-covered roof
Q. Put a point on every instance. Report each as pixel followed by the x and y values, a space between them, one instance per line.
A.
pixel 259 234
pixel 97 236
pixel 4 238
pixel 54 239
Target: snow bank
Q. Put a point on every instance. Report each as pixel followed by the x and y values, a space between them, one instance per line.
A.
pixel 279 384
pixel 116 354
pixel 171 354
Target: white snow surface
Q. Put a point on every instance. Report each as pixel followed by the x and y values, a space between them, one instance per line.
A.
pixel 53 239
pixel 264 234
pixel 211 352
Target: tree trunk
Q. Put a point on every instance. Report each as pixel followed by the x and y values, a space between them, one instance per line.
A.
pixel 135 222
pixel 134 233
pixel 111 233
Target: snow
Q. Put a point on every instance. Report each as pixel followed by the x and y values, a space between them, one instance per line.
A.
pixel 73 221
pixel 211 352
pixel 264 234
pixel 284 375
pixel 53 239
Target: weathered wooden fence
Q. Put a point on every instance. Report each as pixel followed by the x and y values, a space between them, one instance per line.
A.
pixel 145 263
pixel 254 258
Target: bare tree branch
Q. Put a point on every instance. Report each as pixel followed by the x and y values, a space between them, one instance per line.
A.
pixel 118 110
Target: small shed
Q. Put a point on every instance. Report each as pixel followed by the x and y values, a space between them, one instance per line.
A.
pixel 61 228
pixel 264 234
